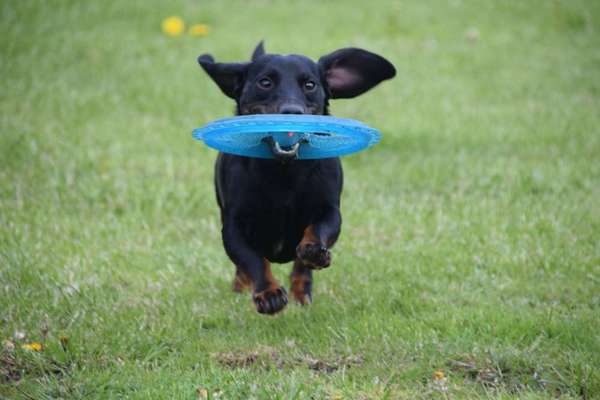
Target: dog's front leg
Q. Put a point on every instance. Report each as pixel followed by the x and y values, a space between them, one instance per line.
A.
pixel 268 295
pixel 318 238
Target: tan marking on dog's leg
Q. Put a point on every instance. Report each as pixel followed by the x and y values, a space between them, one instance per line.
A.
pixel 241 281
pixel 300 279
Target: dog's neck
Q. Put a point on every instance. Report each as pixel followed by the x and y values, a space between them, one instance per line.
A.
pixel 285 175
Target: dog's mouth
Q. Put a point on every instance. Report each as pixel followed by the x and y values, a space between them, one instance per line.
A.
pixel 285 146
pixel 282 152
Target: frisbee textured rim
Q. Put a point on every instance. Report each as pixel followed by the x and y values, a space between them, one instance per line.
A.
pixel 320 136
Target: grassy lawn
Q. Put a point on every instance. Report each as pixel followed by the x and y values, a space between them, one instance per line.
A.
pixel 469 261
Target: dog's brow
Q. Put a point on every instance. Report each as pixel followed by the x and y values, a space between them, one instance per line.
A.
pixel 306 75
pixel 268 71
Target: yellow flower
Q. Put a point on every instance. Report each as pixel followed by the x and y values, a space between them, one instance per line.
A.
pixel 173 26
pixel 199 30
pixel 438 375
pixel 337 396
pixel 34 346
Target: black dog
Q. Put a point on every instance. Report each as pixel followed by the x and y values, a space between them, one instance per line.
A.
pixel 282 210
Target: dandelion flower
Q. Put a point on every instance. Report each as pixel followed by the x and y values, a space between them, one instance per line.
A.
pixel 440 382
pixel 199 30
pixel 337 396
pixel 438 375
pixel 33 346
pixel 173 26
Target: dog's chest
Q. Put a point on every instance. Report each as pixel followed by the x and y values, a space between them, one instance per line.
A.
pixel 281 212
pixel 278 222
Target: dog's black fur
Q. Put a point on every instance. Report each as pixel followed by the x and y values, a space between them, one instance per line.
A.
pixel 281 210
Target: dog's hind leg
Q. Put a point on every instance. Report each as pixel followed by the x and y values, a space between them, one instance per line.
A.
pixel 268 295
pixel 241 281
pixel 301 283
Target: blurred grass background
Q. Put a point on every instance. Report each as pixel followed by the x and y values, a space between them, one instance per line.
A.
pixel 470 244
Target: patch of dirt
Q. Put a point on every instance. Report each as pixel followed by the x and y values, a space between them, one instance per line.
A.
pixel 501 376
pixel 332 365
pixel 263 357
pixel 487 374
pixel 266 357
pixel 10 370
pixel 236 360
pixel 13 367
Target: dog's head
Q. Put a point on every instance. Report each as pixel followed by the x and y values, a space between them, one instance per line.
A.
pixel 294 84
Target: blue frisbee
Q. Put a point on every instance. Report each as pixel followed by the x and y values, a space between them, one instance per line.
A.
pixel 287 136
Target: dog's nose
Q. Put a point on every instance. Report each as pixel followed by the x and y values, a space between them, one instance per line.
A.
pixel 291 109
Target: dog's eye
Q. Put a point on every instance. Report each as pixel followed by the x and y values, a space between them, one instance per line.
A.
pixel 265 83
pixel 309 86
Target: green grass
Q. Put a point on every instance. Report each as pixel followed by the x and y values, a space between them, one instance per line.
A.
pixel 471 237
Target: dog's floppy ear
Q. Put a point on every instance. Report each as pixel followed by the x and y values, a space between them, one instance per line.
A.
pixel 349 72
pixel 259 50
pixel 228 76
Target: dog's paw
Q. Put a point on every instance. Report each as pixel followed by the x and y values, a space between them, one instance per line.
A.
pixel 314 256
pixel 301 289
pixel 270 301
